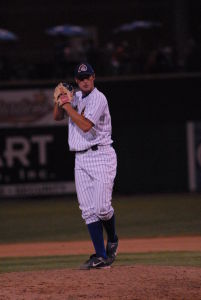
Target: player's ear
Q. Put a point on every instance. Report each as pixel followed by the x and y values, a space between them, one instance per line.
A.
pixel 94 76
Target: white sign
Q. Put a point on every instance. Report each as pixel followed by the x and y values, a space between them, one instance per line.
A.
pixel 27 108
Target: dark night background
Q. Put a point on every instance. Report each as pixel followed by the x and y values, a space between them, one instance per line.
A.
pixel 34 50
pixel 151 77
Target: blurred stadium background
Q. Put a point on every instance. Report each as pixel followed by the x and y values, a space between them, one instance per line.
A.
pixel 167 38
pixel 147 57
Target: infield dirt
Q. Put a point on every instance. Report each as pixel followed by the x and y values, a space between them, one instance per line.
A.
pixel 136 282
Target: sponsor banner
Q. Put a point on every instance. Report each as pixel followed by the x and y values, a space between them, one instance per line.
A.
pixel 194 155
pixel 32 107
pixel 31 156
pixel 34 156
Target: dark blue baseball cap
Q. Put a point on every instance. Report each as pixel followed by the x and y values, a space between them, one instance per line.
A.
pixel 83 70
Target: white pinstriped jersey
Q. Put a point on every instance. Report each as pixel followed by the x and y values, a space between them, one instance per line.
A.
pixel 95 108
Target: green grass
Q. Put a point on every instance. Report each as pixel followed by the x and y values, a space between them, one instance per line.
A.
pixel 159 215
pixel 18 264
pixel 136 216
pixel 61 262
pixel 191 259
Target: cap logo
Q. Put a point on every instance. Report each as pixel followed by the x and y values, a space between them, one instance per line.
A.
pixel 82 68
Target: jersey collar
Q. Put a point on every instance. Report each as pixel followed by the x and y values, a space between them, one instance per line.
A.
pixel 86 95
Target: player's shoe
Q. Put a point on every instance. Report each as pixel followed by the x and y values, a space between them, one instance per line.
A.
pixel 95 262
pixel 111 249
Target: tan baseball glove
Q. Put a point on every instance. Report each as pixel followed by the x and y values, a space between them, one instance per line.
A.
pixel 63 93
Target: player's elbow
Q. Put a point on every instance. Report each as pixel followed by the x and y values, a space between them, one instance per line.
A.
pixel 58 118
pixel 58 114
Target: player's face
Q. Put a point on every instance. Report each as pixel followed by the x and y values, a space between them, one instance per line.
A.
pixel 86 84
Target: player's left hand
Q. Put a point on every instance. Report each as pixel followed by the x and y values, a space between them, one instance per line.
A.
pixel 63 93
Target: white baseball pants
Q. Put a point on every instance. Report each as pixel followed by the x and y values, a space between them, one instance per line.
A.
pixel 95 172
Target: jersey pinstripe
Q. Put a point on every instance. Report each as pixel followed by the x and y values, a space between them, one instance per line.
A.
pixel 95 108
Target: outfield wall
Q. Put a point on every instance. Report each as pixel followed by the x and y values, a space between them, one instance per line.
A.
pixel 149 117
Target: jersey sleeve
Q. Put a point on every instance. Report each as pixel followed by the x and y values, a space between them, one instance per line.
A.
pixel 94 108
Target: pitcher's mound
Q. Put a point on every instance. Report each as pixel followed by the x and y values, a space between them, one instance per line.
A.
pixel 120 282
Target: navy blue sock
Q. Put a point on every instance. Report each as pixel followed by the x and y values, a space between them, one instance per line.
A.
pixel 96 233
pixel 109 226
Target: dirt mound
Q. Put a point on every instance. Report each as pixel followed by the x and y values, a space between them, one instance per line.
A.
pixel 120 282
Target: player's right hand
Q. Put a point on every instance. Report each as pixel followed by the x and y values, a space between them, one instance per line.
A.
pixel 63 93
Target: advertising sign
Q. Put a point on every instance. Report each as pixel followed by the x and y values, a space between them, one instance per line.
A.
pixel 34 156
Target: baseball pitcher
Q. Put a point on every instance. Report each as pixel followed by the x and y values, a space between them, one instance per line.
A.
pixel 89 136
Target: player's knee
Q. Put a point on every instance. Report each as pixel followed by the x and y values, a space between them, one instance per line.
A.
pixel 89 217
pixel 105 213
